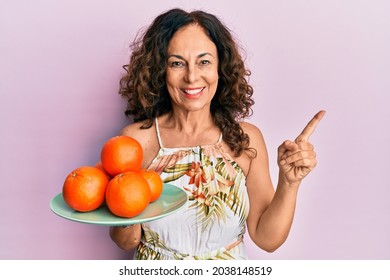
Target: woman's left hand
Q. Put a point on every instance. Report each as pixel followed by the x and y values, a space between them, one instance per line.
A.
pixel 297 158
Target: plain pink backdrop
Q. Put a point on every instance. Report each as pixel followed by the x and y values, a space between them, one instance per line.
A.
pixel 60 63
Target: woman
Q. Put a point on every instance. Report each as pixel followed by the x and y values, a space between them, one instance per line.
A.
pixel 187 91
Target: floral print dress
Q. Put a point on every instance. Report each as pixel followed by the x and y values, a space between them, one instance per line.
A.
pixel 212 224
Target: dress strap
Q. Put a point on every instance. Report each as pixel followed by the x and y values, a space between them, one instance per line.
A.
pixel 220 139
pixel 158 133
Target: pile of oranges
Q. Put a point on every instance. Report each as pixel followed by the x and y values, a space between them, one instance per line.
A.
pixel 118 179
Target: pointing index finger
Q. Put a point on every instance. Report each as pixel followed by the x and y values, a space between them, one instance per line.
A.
pixel 310 127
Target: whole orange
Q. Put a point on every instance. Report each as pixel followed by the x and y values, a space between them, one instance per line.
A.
pixel 84 188
pixel 155 183
pixel 121 154
pixel 127 194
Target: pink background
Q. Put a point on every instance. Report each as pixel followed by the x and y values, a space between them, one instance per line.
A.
pixel 60 62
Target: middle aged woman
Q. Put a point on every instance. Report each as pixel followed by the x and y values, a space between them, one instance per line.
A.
pixel 187 91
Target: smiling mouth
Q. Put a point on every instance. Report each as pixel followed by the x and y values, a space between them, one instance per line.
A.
pixel 192 91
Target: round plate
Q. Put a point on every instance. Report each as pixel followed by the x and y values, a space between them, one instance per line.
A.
pixel 171 200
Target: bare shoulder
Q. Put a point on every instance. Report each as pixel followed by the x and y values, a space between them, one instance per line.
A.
pixel 134 130
pixel 256 143
pixel 255 135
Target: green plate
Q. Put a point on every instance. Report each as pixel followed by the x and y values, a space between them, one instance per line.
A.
pixel 171 200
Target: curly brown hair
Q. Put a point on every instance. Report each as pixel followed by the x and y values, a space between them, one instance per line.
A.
pixel 144 84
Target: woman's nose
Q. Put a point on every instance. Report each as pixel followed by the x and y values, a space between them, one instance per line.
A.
pixel 192 74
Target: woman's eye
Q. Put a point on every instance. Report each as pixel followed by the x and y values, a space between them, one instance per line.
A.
pixel 176 64
pixel 204 62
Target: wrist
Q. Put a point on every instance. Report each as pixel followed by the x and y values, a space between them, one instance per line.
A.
pixel 285 183
pixel 289 185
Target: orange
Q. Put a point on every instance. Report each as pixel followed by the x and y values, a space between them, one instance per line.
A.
pixel 84 188
pixel 155 183
pixel 99 165
pixel 121 154
pixel 127 194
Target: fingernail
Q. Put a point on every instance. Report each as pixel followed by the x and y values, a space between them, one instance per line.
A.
pixel 282 162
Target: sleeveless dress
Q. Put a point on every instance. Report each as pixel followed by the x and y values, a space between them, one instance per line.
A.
pixel 212 223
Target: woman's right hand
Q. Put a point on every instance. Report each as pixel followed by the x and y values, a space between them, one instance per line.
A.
pixel 126 237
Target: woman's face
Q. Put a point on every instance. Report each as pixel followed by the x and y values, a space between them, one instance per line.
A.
pixel 192 69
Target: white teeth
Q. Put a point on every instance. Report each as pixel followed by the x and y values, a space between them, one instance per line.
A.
pixel 193 91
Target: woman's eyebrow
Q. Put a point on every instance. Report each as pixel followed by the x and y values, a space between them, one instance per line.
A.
pixel 204 54
pixel 176 55
pixel 180 57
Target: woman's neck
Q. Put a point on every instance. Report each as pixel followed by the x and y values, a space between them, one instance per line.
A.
pixel 190 123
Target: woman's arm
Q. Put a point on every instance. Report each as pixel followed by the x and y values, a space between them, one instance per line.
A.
pixel 271 212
